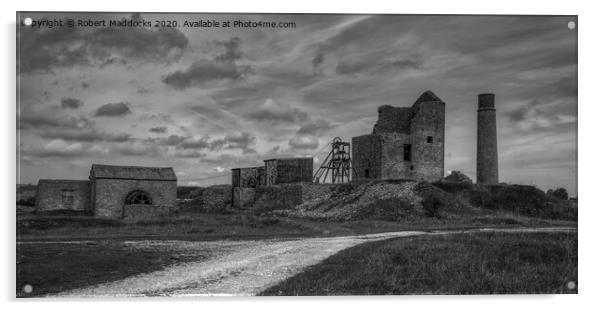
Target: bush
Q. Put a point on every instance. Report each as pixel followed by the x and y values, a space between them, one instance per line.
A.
pixel 432 205
pixel 561 194
pixel 480 197
pixel 453 187
pixel 29 202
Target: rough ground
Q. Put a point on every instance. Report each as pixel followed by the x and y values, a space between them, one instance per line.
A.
pixel 240 267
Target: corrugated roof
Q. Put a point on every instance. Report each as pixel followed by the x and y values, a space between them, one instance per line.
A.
pixel 133 173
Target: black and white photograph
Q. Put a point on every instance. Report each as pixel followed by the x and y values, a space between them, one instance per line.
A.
pixel 279 154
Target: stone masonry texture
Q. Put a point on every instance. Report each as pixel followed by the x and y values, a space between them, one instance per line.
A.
pixel 406 142
pixel 54 195
pixel 487 163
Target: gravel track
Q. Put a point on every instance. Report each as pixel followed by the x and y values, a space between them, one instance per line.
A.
pixel 243 268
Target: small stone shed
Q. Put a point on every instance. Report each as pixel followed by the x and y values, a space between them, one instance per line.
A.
pixel 113 192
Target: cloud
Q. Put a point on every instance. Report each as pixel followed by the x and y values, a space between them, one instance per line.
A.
pixel 536 115
pixel 242 141
pixel 61 148
pixel 351 67
pixel 218 169
pixel 42 50
pixel 83 135
pixel 188 154
pixel 316 127
pixel 138 148
pixel 203 72
pixel 317 59
pixel 273 112
pixel 161 129
pixel 71 103
pixel 232 50
pixel 304 142
pixel 40 116
pixel 84 84
pixel 113 109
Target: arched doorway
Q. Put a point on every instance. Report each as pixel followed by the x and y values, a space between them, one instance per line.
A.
pixel 138 197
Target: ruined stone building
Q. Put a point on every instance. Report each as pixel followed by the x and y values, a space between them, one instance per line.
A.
pixel 406 142
pixel 487 169
pixel 112 191
pixel 275 172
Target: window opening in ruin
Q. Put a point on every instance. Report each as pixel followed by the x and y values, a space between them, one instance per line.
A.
pixel 429 139
pixel 67 197
pixel 407 152
pixel 367 173
pixel 138 198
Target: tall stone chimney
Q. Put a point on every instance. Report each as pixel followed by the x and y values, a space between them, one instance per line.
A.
pixel 487 172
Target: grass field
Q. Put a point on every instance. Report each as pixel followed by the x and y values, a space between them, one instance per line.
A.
pixel 244 225
pixel 469 263
pixel 55 267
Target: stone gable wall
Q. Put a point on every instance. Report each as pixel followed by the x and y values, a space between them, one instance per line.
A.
pixel 110 195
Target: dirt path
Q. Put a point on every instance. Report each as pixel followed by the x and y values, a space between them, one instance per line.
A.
pixel 242 267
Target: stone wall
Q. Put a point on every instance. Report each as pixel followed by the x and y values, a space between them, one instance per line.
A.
pixel 63 195
pixel 420 129
pixel 393 119
pixel 243 197
pixel 286 196
pixel 215 198
pixel 289 170
pixel 366 156
pixel 109 194
pixel 140 212
pixel 428 140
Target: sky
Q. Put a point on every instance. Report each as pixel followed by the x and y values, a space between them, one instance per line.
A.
pixel 206 100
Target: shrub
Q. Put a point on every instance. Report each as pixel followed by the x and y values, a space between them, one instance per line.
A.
pixel 560 193
pixel 480 197
pixel 432 205
pixel 453 187
pixel 28 202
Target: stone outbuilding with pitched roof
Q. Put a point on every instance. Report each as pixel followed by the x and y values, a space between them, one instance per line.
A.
pixel 113 192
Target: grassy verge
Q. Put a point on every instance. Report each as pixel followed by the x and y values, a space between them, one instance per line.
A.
pixel 245 225
pixel 55 267
pixel 475 263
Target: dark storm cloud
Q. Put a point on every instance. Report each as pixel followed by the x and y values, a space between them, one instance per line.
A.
pixel 83 135
pixel 71 103
pixel 273 112
pixel 42 50
pixel 113 110
pixel 204 71
pixel 161 129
